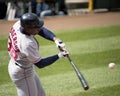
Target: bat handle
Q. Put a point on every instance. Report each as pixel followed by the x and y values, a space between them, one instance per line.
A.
pixel 69 58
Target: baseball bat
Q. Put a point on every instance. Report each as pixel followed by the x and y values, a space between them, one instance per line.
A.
pixel 79 74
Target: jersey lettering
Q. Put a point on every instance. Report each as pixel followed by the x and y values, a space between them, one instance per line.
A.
pixel 12 44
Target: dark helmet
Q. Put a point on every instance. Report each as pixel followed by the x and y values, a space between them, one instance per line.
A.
pixel 31 20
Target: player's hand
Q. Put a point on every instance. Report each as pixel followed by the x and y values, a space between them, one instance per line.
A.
pixel 63 54
pixel 60 45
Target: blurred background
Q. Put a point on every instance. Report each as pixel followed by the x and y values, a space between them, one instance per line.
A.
pixel 91 31
pixel 12 9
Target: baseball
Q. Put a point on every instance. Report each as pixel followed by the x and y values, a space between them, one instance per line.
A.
pixel 111 65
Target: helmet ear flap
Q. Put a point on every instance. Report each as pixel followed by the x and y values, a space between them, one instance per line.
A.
pixel 31 20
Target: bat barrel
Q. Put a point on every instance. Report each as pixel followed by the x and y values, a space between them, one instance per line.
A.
pixel 81 77
pixel 84 83
pixel 79 74
pixel 86 88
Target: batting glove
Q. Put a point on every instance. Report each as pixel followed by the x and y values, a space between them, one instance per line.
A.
pixel 63 54
pixel 60 45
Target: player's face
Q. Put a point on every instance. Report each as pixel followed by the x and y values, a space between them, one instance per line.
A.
pixel 32 31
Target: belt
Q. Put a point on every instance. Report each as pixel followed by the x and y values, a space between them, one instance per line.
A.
pixel 20 66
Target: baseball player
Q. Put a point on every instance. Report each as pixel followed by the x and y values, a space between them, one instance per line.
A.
pixel 23 49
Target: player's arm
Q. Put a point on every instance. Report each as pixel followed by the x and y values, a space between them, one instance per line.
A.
pixel 33 55
pixel 47 61
pixel 50 60
pixel 44 32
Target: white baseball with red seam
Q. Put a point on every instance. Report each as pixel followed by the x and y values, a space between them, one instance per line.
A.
pixel 112 65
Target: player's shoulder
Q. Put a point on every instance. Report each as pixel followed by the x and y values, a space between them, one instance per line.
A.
pixel 28 40
pixel 28 43
pixel 17 25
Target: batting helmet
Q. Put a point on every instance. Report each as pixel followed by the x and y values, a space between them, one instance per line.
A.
pixel 31 20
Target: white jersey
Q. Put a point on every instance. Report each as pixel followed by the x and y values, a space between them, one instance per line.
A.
pixel 22 48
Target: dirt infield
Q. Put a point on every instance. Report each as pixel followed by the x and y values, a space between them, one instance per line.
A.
pixel 72 22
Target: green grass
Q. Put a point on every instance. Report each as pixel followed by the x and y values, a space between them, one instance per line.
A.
pixel 92 49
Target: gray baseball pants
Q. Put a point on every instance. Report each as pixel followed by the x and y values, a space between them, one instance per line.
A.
pixel 26 80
